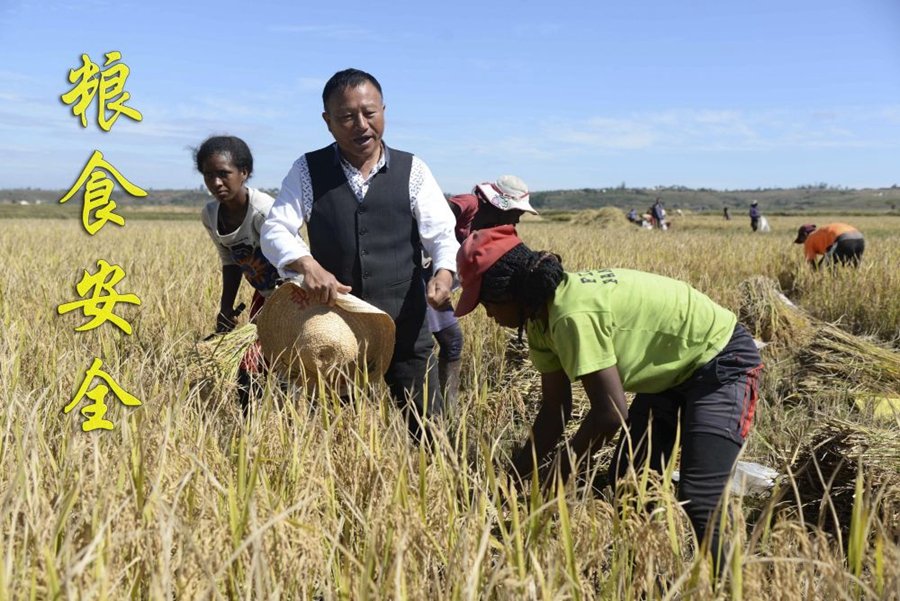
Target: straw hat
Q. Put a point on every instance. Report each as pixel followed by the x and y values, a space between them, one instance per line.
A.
pixel 299 336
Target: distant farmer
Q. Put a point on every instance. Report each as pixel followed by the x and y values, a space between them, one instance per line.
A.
pixel 690 362
pixel 633 216
pixel 836 242
pixel 754 215
pixel 490 204
pixel 727 214
pixel 659 214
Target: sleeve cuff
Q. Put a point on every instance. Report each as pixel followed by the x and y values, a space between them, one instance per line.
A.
pixel 287 260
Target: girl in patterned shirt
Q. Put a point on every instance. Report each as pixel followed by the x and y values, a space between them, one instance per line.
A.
pixel 233 221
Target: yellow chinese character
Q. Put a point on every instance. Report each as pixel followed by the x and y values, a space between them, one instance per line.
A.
pixel 97 192
pixel 100 305
pixel 96 410
pixel 111 86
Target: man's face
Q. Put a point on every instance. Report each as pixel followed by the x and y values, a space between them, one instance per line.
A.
pixel 355 117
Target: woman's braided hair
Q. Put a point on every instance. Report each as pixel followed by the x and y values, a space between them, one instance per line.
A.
pixel 524 276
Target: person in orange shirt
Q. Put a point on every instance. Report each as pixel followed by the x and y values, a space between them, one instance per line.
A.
pixel 837 242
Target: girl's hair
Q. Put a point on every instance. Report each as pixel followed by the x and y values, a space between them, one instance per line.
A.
pixel 524 276
pixel 231 145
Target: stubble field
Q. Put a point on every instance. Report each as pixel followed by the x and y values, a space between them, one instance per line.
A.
pixel 312 499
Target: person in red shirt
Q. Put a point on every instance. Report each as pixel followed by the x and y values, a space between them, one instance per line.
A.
pixel 836 242
pixel 489 205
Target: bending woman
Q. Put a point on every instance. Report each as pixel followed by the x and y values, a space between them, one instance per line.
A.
pixel 616 330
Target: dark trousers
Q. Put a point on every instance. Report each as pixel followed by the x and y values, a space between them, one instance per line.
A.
pixel 847 251
pixel 450 341
pixel 406 374
pixel 714 409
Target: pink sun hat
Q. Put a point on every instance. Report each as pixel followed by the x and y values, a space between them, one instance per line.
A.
pixel 507 193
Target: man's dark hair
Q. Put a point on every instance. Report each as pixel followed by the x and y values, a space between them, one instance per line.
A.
pixel 525 276
pixel 348 78
pixel 231 145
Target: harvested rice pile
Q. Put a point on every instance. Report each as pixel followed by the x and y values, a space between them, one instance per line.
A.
pixel 816 357
pixel 826 474
pixel 604 218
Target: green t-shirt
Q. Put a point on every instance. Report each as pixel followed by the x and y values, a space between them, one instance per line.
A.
pixel 656 330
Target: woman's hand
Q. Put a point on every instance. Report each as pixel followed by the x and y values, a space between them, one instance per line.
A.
pixel 225 322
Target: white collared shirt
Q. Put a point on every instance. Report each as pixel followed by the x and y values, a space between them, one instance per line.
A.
pixel 282 244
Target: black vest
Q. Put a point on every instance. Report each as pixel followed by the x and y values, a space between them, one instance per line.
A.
pixel 372 246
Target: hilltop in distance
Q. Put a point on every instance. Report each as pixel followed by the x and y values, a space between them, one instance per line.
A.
pixel 816 198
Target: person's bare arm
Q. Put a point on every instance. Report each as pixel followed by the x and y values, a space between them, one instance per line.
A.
pixel 231 281
pixel 607 414
pixel 549 424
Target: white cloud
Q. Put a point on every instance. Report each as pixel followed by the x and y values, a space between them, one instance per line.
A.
pixel 605 133
pixel 729 130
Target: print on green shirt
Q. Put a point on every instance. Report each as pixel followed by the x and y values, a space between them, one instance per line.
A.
pixel 656 330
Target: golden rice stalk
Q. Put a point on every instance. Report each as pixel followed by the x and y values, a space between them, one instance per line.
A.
pixel 863 365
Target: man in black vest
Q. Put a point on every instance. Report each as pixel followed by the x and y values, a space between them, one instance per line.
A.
pixel 369 211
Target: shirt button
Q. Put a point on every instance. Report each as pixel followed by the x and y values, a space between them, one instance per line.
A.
pixel 363 232
pixel 366 275
pixel 364 252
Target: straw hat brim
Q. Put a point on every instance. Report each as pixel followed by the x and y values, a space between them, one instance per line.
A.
pixel 298 335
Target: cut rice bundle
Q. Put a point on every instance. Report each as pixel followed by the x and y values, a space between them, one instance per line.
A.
pixel 817 358
pixel 215 362
pixel 772 317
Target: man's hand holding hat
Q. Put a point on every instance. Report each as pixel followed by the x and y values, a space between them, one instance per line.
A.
pixel 321 284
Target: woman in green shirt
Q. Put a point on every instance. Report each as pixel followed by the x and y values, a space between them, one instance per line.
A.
pixel 616 330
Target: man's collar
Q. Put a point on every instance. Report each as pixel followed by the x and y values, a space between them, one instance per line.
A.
pixel 384 149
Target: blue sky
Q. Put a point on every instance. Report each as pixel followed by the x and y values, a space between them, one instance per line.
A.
pixel 564 94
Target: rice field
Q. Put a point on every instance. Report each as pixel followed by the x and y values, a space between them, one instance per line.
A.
pixel 185 498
